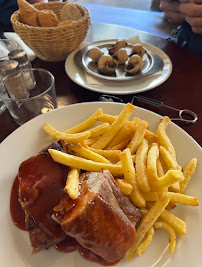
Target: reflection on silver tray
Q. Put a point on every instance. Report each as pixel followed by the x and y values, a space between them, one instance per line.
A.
pixel 152 62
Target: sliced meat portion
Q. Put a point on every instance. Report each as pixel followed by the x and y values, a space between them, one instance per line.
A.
pixel 96 219
pixel 128 208
pixel 41 187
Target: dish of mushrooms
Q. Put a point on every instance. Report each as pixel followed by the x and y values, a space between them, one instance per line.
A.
pixel 118 55
pixel 118 60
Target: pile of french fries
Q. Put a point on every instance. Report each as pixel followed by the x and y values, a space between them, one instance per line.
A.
pixel 143 164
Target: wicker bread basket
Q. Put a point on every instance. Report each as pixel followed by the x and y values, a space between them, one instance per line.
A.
pixel 53 43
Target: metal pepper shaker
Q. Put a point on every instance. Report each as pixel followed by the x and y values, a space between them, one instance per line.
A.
pixel 24 64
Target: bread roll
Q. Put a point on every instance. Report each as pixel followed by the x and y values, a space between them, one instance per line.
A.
pixel 47 18
pixel 70 12
pixel 66 22
pixel 28 13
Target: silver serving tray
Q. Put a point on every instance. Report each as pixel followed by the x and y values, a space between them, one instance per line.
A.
pixel 152 62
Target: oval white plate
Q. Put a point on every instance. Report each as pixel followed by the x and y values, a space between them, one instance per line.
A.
pixel 77 75
pixel 29 139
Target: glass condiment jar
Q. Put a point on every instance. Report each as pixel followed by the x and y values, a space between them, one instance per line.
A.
pixel 14 85
pixel 6 67
pixel 24 64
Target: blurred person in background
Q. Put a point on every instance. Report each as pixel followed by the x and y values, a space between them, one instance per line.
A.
pixel 187 13
pixel 7 7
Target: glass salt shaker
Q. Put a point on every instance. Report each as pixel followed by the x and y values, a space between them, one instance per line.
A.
pixel 14 85
pixel 25 65
pixel 6 67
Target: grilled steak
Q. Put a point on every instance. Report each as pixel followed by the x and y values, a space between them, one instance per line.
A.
pixel 102 219
pixel 41 187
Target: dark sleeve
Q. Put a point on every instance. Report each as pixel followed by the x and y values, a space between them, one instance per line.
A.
pixel 7 7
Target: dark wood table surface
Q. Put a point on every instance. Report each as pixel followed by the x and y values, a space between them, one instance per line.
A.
pixel 183 89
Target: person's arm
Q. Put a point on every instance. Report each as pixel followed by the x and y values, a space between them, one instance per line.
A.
pixel 171 11
pixel 193 14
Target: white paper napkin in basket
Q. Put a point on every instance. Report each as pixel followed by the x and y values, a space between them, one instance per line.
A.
pixel 96 81
pixel 15 37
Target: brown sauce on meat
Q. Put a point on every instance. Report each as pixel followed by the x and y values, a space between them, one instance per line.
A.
pixel 42 184
pixel 70 244
pixel 17 213
pixel 66 246
pixel 37 198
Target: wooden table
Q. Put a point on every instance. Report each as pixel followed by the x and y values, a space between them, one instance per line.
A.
pixel 181 90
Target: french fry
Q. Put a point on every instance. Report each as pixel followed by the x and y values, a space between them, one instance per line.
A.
pixel 183 199
pixel 99 130
pixel 147 222
pixel 133 159
pixel 163 139
pixel 171 164
pixel 111 155
pixel 168 159
pixel 144 245
pixel 138 137
pixel 72 184
pixel 110 119
pixel 140 165
pixel 144 211
pixel 152 157
pixel 171 205
pixel 121 146
pixel 69 138
pixel 91 140
pixel 134 123
pixel 160 170
pixel 115 127
pixel 128 166
pixel 150 196
pixel 86 153
pixel 150 136
pixel 171 177
pixel 123 134
pixel 85 124
pixel 129 176
pixel 177 224
pixel 188 172
pixel 175 187
pixel 106 118
pixel 124 186
pixel 84 164
pixel 171 232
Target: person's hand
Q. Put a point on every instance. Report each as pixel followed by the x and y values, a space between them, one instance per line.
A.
pixel 171 11
pixel 193 14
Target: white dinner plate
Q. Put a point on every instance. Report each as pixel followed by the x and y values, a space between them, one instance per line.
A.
pixel 77 75
pixel 29 139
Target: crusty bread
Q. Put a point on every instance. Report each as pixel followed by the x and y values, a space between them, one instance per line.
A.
pixel 28 13
pixel 63 23
pixel 47 18
pixel 70 12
